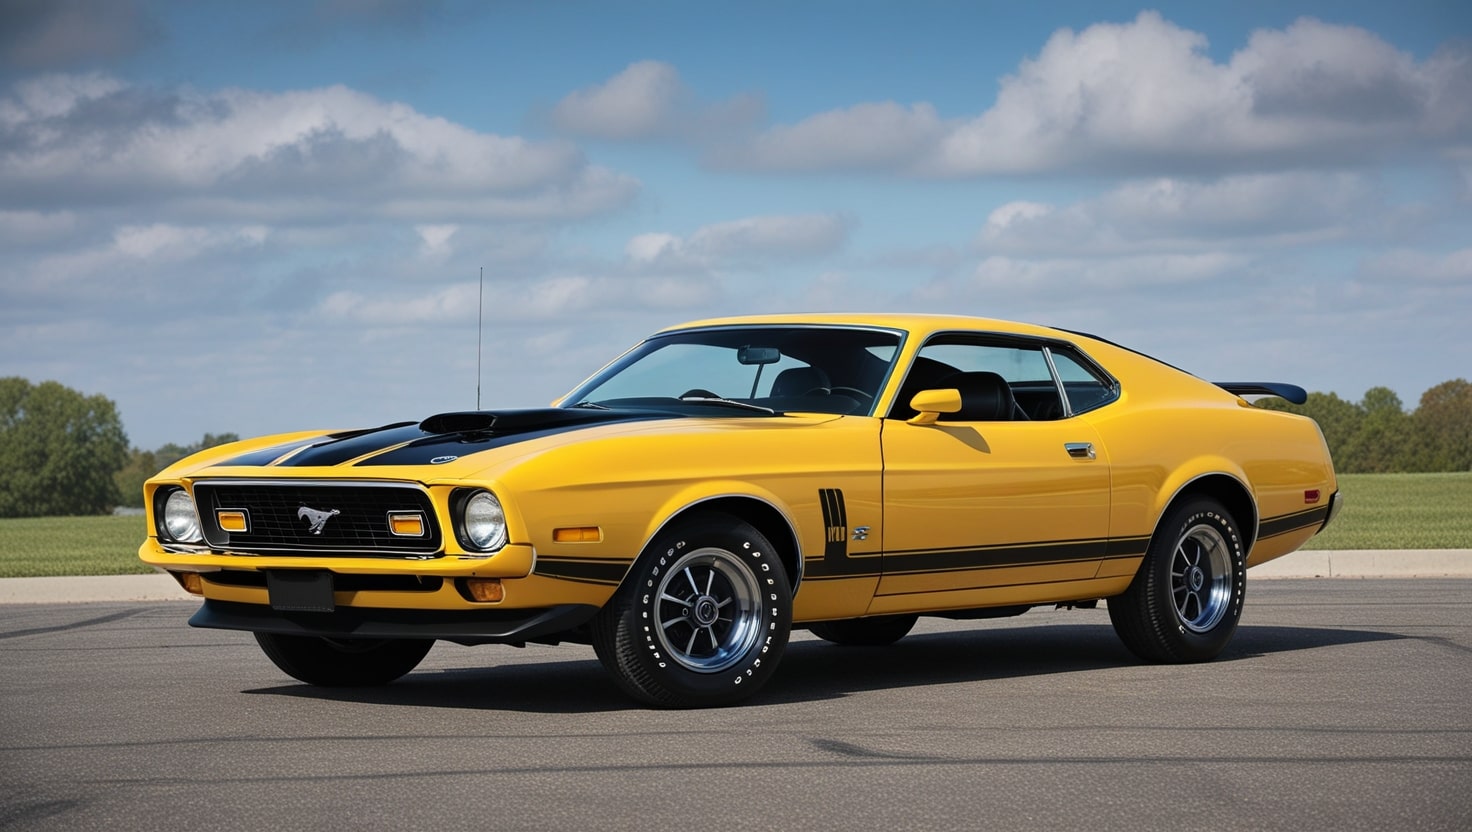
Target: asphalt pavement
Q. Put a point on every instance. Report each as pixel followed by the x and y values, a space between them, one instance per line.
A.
pixel 1339 705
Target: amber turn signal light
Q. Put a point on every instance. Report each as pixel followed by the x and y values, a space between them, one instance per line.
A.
pixel 232 520
pixel 485 589
pixel 192 583
pixel 579 534
pixel 406 524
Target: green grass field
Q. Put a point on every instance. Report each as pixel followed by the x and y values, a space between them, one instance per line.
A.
pixel 1382 511
pixel 1402 511
pixel 39 546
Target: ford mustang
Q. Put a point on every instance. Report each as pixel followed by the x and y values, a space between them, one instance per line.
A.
pixel 726 481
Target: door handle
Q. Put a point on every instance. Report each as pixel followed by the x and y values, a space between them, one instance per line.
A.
pixel 1080 450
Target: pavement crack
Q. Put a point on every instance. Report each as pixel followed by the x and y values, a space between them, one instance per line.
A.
pixel 848 749
pixel 86 622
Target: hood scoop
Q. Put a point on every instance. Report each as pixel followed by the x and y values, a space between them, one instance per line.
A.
pixel 514 421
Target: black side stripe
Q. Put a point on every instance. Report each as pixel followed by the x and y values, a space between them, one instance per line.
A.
pixel 920 561
pixel 609 572
pixel 994 557
pixel 1286 523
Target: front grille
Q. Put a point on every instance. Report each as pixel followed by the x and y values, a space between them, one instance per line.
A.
pixel 316 518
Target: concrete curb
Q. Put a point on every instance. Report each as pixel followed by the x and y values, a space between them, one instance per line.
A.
pixel 1369 563
pixel 91 589
pixel 1388 563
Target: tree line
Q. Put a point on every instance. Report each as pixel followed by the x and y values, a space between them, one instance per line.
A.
pixel 65 453
pixel 1377 436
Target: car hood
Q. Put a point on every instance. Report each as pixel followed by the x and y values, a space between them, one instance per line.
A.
pixel 452 446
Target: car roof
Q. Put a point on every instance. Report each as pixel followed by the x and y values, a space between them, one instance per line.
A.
pixel 917 324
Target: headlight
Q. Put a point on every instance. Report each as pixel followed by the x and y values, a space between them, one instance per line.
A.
pixel 483 522
pixel 180 521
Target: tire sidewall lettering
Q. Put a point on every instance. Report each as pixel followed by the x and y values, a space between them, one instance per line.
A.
pixel 754 661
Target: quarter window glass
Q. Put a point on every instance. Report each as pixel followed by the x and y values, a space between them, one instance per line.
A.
pixel 1085 390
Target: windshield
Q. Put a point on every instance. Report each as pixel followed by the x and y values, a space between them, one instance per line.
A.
pixel 748 370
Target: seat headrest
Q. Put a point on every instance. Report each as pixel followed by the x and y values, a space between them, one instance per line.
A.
pixel 985 397
pixel 795 381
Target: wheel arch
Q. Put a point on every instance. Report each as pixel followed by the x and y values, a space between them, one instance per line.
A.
pixel 1226 489
pixel 763 515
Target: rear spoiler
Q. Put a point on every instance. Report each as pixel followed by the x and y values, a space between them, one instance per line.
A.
pixel 1292 392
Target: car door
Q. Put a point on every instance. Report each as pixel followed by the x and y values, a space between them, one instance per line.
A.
pixel 1013 494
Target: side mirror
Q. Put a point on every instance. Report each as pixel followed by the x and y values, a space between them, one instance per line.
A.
pixel 929 404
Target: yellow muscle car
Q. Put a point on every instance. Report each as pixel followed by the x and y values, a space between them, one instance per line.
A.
pixel 727 480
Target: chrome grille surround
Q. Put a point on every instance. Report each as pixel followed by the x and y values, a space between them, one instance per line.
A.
pixel 287 517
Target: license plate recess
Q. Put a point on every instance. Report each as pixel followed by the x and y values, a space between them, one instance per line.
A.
pixel 300 590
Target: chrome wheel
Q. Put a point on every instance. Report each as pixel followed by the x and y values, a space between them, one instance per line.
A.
pixel 702 618
pixel 1184 603
pixel 1201 578
pixel 708 611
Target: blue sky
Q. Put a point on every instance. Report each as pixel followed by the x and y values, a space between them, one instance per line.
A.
pixel 254 217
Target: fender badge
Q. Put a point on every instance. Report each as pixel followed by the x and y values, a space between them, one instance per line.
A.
pixel 441 460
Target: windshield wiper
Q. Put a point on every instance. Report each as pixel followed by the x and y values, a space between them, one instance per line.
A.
pixel 591 405
pixel 729 403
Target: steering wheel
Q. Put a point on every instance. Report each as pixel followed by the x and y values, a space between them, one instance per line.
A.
pixel 698 393
pixel 854 392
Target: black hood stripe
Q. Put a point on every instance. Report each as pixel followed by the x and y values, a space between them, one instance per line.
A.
pixel 427 448
pixel 266 456
pixel 407 443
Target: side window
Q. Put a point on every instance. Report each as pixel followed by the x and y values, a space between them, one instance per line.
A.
pixel 998 381
pixel 1086 390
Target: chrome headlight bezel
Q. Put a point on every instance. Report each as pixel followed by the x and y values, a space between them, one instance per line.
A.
pixel 176 518
pixel 480 521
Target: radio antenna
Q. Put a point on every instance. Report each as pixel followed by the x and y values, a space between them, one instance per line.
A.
pixel 480 314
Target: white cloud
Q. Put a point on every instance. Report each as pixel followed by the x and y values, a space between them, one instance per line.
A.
pixel 865 136
pixel 1052 277
pixel 1146 96
pixel 648 99
pixel 319 153
pixel 789 236
pixel 1174 215
pixel 743 240
pixel 57 33
pixel 435 239
pixel 1411 266
pixel 647 248
pixel 19 228
pixel 543 300
pixel 162 242
pixel 640 101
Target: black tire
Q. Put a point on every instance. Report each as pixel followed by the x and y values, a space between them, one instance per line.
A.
pixel 665 635
pixel 343 662
pixel 1186 600
pixel 865 632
